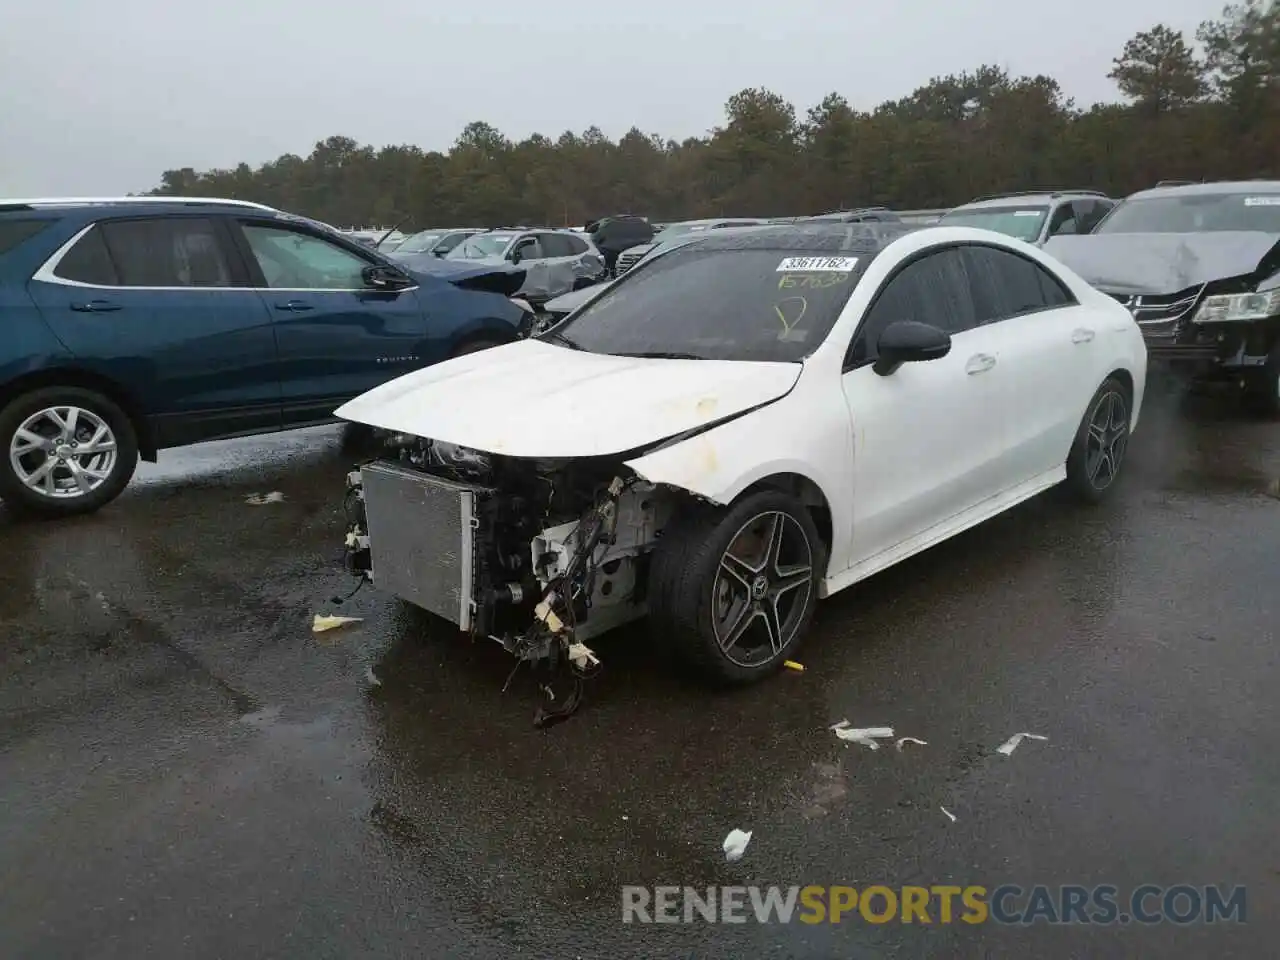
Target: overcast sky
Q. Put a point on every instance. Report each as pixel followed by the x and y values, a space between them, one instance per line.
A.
pixel 100 96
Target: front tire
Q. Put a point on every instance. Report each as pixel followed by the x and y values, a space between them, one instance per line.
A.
pixel 1102 440
pixel 734 590
pixel 66 451
pixel 1262 396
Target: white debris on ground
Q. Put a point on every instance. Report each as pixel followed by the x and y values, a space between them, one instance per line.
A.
pixel 950 816
pixel 258 499
pixel 1011 744
pixel 582 656
pixel 867 736
pixel 923 743
pixel 323 622
pixel 372 677
pixel 735 844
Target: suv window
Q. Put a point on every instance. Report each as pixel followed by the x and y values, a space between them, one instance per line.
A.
pixel 934 289
pixel 556 245
pixel 1064 221
pixel 88 262
pixel 529 247
pixel 161 252
pixel 1090 212
pixel 450 241
pixel 293 260
pixel 1005 285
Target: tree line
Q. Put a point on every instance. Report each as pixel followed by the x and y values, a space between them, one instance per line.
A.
pixel 1205 107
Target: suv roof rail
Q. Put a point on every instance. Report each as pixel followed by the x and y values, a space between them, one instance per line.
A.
pixel 123 201
pixel 1178 183
pixel 1047 192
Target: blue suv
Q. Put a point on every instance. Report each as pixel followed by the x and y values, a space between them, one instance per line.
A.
pixel 138 324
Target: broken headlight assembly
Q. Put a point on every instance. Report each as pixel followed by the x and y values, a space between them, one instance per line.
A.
pixel 1238 307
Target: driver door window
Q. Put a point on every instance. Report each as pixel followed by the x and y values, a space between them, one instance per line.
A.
pixel 528 248
pixel 1063 222
pixel 293 260
pixel 933 290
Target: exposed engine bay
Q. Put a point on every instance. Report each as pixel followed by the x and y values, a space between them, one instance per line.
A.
pixel 540 556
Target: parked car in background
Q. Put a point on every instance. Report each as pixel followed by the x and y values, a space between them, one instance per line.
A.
pixel 746 423
pixel 857 215
pixel 554 261
pixel 432 243
pixel 614 235
pixel 685 229
pixel 1198 265
pixel 1034 215
pixel 137 324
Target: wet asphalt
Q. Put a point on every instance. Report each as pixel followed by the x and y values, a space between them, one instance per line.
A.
pixel 186 770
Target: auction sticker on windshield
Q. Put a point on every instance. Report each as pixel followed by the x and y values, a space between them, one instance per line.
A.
pixel 1262 201
pixel 821 264
pixel 1027 213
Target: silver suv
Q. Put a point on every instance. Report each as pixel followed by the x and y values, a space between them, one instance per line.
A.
pixel 1034 215
pixel 556 261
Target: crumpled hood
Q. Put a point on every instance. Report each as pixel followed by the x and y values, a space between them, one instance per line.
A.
pixel 501 278
pixel 535 399
pixel 543 279
pixel 1160 263
pixel 572 301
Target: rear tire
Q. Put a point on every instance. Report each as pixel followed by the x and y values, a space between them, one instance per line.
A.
pixel 734 591
pixel 1102 441
pixel 64 451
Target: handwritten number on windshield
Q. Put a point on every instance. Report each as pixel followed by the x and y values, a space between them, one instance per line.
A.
pixel 811 281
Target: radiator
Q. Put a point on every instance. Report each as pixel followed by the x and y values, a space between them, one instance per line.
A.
pixel 422 539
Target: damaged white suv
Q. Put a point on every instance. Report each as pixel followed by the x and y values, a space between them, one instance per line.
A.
pixel 736 428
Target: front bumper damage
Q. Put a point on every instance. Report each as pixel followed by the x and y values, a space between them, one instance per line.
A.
pixel 446 545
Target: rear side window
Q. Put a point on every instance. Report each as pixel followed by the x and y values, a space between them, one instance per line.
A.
pixel 1006 285
pixel 555 245
pixel 166 252
pixel 88 262
pixel 576 245
pixel 14 232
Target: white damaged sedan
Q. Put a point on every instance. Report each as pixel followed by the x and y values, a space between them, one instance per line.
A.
pixel 737 428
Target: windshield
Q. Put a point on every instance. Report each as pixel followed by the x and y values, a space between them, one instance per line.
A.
pixel 679 230
pixel 739 304
pixel 1196 213
pixel 481 246
pixel 1021 222
pixel 420 242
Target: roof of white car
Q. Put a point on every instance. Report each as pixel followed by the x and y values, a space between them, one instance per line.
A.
pixel 810 237
pixel 1262 187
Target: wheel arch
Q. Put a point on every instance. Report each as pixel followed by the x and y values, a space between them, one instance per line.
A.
pixel 803 489
pixel 88 380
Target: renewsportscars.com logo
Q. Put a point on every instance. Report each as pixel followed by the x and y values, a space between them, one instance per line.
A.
pixel 942 904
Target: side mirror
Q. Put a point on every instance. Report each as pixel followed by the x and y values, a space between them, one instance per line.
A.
pixel 381 277
pixel 909 342
pixel 439 252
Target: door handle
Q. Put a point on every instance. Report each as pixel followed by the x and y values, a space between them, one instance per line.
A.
pixel 979 363
pixel 294 306
pixel 95 306
pixel 1081 335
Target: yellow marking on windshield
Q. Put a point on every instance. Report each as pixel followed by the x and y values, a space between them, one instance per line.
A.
pixel 782 317
pixel 812 281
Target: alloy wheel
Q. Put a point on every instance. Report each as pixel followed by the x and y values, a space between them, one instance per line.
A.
pixel 761 589
pixel 63 452
pixel 1107 439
